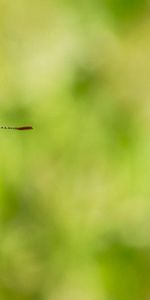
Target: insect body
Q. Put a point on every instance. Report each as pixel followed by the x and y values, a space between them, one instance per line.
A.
pixel 16 128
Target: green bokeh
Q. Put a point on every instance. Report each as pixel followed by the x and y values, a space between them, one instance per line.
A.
pixel 74 192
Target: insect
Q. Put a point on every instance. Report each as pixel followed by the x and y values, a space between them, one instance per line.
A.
pixel 16 128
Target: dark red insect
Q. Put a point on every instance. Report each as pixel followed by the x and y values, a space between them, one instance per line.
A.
pixel 17 128
pixel 24 128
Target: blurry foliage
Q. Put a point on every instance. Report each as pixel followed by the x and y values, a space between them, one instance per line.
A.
pixel 84 84
pixel 126 268
pixel 74 192
pixel 127 10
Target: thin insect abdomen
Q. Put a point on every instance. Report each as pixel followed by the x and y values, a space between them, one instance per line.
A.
pixel 16 128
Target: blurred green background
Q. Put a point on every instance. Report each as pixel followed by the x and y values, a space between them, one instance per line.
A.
pixel 75 192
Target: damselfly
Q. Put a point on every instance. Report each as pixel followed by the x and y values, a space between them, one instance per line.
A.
pixel 16 128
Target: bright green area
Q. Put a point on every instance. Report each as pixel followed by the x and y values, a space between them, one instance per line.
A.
pixel 75 191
